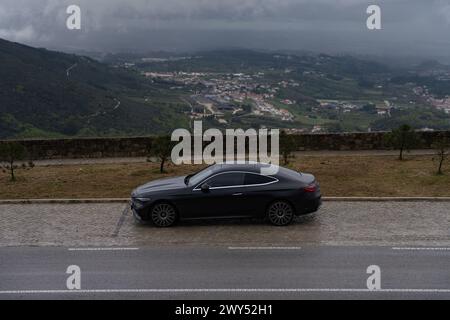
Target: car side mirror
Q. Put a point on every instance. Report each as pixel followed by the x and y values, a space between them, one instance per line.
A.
pixel 205 187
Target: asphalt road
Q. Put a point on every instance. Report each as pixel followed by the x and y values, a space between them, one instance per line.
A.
pixel 311 272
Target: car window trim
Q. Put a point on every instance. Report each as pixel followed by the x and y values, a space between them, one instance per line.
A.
pixel 275 180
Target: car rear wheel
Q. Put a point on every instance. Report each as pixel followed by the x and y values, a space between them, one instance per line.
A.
pixel 163 215
pixel 280 213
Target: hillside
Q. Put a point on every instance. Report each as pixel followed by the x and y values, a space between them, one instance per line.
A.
pixel 52 94
pixel 45 93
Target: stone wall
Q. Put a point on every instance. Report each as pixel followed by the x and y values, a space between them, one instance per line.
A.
pixel 138 146
pixel 87 147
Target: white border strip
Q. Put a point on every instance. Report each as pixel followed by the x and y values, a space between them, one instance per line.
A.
pixel 294 290
pixel 103 249
pixel 264 248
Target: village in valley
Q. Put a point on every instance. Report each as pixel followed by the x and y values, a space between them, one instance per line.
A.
pixel 227 96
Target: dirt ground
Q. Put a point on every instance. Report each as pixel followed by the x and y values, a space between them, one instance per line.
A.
pixel 354 175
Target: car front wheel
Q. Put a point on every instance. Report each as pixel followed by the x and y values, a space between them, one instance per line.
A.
pixel 280 213
pixel 163 215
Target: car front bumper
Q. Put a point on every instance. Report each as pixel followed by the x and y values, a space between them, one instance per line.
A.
pixel 136 215
pixel 140 211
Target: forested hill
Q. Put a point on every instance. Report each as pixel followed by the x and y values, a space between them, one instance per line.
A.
pixel 46 93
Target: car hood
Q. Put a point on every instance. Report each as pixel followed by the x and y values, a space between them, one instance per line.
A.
pixel 160 185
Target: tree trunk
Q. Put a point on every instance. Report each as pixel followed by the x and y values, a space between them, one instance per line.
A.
pixel 13 176
pixel 11 169
pixel 161 168
pixel 400 157
pixel 440 165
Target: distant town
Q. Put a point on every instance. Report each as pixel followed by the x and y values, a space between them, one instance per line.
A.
pixel 224 95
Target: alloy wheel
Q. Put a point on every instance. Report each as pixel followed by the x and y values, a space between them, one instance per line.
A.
pixel 164 215
pixel 280 213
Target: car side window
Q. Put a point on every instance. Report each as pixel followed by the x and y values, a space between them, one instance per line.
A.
pixel 253 178
pixel 226 180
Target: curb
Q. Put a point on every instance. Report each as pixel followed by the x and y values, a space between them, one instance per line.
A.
pixel 64 201
pixel 126 200
pixel 387 199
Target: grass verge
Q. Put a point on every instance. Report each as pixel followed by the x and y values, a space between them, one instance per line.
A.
pixel 377 176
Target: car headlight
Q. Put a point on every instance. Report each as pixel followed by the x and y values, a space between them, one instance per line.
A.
pixel 143 199
pixel 139 203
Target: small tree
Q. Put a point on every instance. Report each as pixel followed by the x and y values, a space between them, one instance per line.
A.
pixel 442 146
pixel 10 153
pixel 287 146
pixel 403 139
pixel 161 148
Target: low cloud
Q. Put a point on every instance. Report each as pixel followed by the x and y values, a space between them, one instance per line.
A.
pixel 409 26
pixel 25 34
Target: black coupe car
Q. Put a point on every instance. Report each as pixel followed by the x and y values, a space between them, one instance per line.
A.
pixel 228 191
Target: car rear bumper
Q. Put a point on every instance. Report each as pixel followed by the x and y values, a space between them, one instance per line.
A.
pixel 309 205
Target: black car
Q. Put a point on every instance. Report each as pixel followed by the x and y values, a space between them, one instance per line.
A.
pixel 228 191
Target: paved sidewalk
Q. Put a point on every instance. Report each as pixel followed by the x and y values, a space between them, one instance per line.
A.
pixel 337 223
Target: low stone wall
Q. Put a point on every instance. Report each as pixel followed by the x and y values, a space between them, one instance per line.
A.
pixel 360 141
pixel 138 146
pixel 88 148
pixel 344 141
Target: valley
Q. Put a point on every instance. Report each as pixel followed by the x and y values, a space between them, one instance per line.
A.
pixel 46 94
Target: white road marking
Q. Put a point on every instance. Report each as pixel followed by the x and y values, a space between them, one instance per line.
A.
pixel 264 248
pixel 103 249
pixel 421 249
pixel 298 290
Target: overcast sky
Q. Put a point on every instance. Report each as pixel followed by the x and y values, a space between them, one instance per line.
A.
pixel 410 27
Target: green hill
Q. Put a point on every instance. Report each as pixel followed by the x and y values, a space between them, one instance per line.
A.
pixel 46 93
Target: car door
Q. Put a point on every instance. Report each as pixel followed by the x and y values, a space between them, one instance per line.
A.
pixel 258 193
pixel 223 199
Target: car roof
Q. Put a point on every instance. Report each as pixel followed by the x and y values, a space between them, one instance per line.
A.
pixel 224 167
pixel 250 167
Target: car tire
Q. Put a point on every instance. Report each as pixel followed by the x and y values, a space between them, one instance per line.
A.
pixel 280 213
pixel 163 215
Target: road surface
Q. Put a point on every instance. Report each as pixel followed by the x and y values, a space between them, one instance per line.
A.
pixel 315 272
pixel 323 256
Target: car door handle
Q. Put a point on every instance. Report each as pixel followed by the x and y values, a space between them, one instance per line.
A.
pixel 238 194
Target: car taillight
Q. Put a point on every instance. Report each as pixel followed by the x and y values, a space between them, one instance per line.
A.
pixel 311 188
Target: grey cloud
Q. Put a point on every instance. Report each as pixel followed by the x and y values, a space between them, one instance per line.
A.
pixel 409 26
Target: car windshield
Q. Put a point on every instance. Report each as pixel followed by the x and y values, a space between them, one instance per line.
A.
pixel 200 176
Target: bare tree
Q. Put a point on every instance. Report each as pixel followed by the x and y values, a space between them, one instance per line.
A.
pixel 161 148
pixel 10 153
pixel 287 146
pixel 404 138
pixel 442 146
